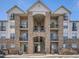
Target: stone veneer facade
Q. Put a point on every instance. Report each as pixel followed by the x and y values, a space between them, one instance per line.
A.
pixel 44 43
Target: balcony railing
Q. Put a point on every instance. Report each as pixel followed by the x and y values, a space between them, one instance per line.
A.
pixel 53 26
pixel 23 26
pixel 12 38
pixel 39 29
pixel 54 39
pixel 23 39
pixel 2 28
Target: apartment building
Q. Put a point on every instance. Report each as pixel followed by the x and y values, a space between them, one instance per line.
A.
pixel 3 30
pixel 38 30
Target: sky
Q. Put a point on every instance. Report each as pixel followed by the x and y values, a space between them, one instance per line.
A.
pixel 72 5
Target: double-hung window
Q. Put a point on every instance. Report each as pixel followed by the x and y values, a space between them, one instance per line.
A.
pixel 12 35
pixel 74 26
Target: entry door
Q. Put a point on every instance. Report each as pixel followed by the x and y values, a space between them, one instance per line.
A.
pixel 39 45
pixel 24 47
pixel 54 48
pixel 37 48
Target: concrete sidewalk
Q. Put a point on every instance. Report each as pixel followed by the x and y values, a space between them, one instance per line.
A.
pixel 41 56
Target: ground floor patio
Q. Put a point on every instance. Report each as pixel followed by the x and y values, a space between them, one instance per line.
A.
pixel 38 46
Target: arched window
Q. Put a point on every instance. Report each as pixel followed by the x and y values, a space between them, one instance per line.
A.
pixel 53 24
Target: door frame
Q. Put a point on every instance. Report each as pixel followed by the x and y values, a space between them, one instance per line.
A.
pixel 40 40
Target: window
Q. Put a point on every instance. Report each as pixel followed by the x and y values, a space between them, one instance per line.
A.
pixel 53 25
pixel 12 35
pixel 74 26
pixel 3 46
pixel 65 26
pixel 12 46
pixel 65 17
pixel 24 24
pixel 53 35
pixel 0 23
pixel 2 26
pixel 3 37
pixel 74 35
pixel 74 45
pixel 65 23
pixel 54 45
pixel 12 26
pixel 65 36
pixel 38 28
pixel 64 45
pixel 24 36
pixel 12 16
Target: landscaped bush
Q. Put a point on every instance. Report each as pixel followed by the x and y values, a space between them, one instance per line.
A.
pixel 69 52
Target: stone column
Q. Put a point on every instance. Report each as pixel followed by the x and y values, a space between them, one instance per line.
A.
pixel 47 29
pixel 17 31
pixel 77 43
pixel 60 33
pixel 30 32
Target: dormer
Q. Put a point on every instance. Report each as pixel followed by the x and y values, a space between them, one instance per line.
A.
pixel 62 10
pixel 14 10
pixel 38 8
pixel 65 11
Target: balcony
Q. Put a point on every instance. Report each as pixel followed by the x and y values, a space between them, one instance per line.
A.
pixel 12 38
pixel 39 29
pixel 2 28
pixel 54 38
pixel 23 38
pixel 23 27
pixel 54 27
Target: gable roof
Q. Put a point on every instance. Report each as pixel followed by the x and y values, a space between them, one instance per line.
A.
pixel 37 3
pixel 15 6
pixel 64 8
